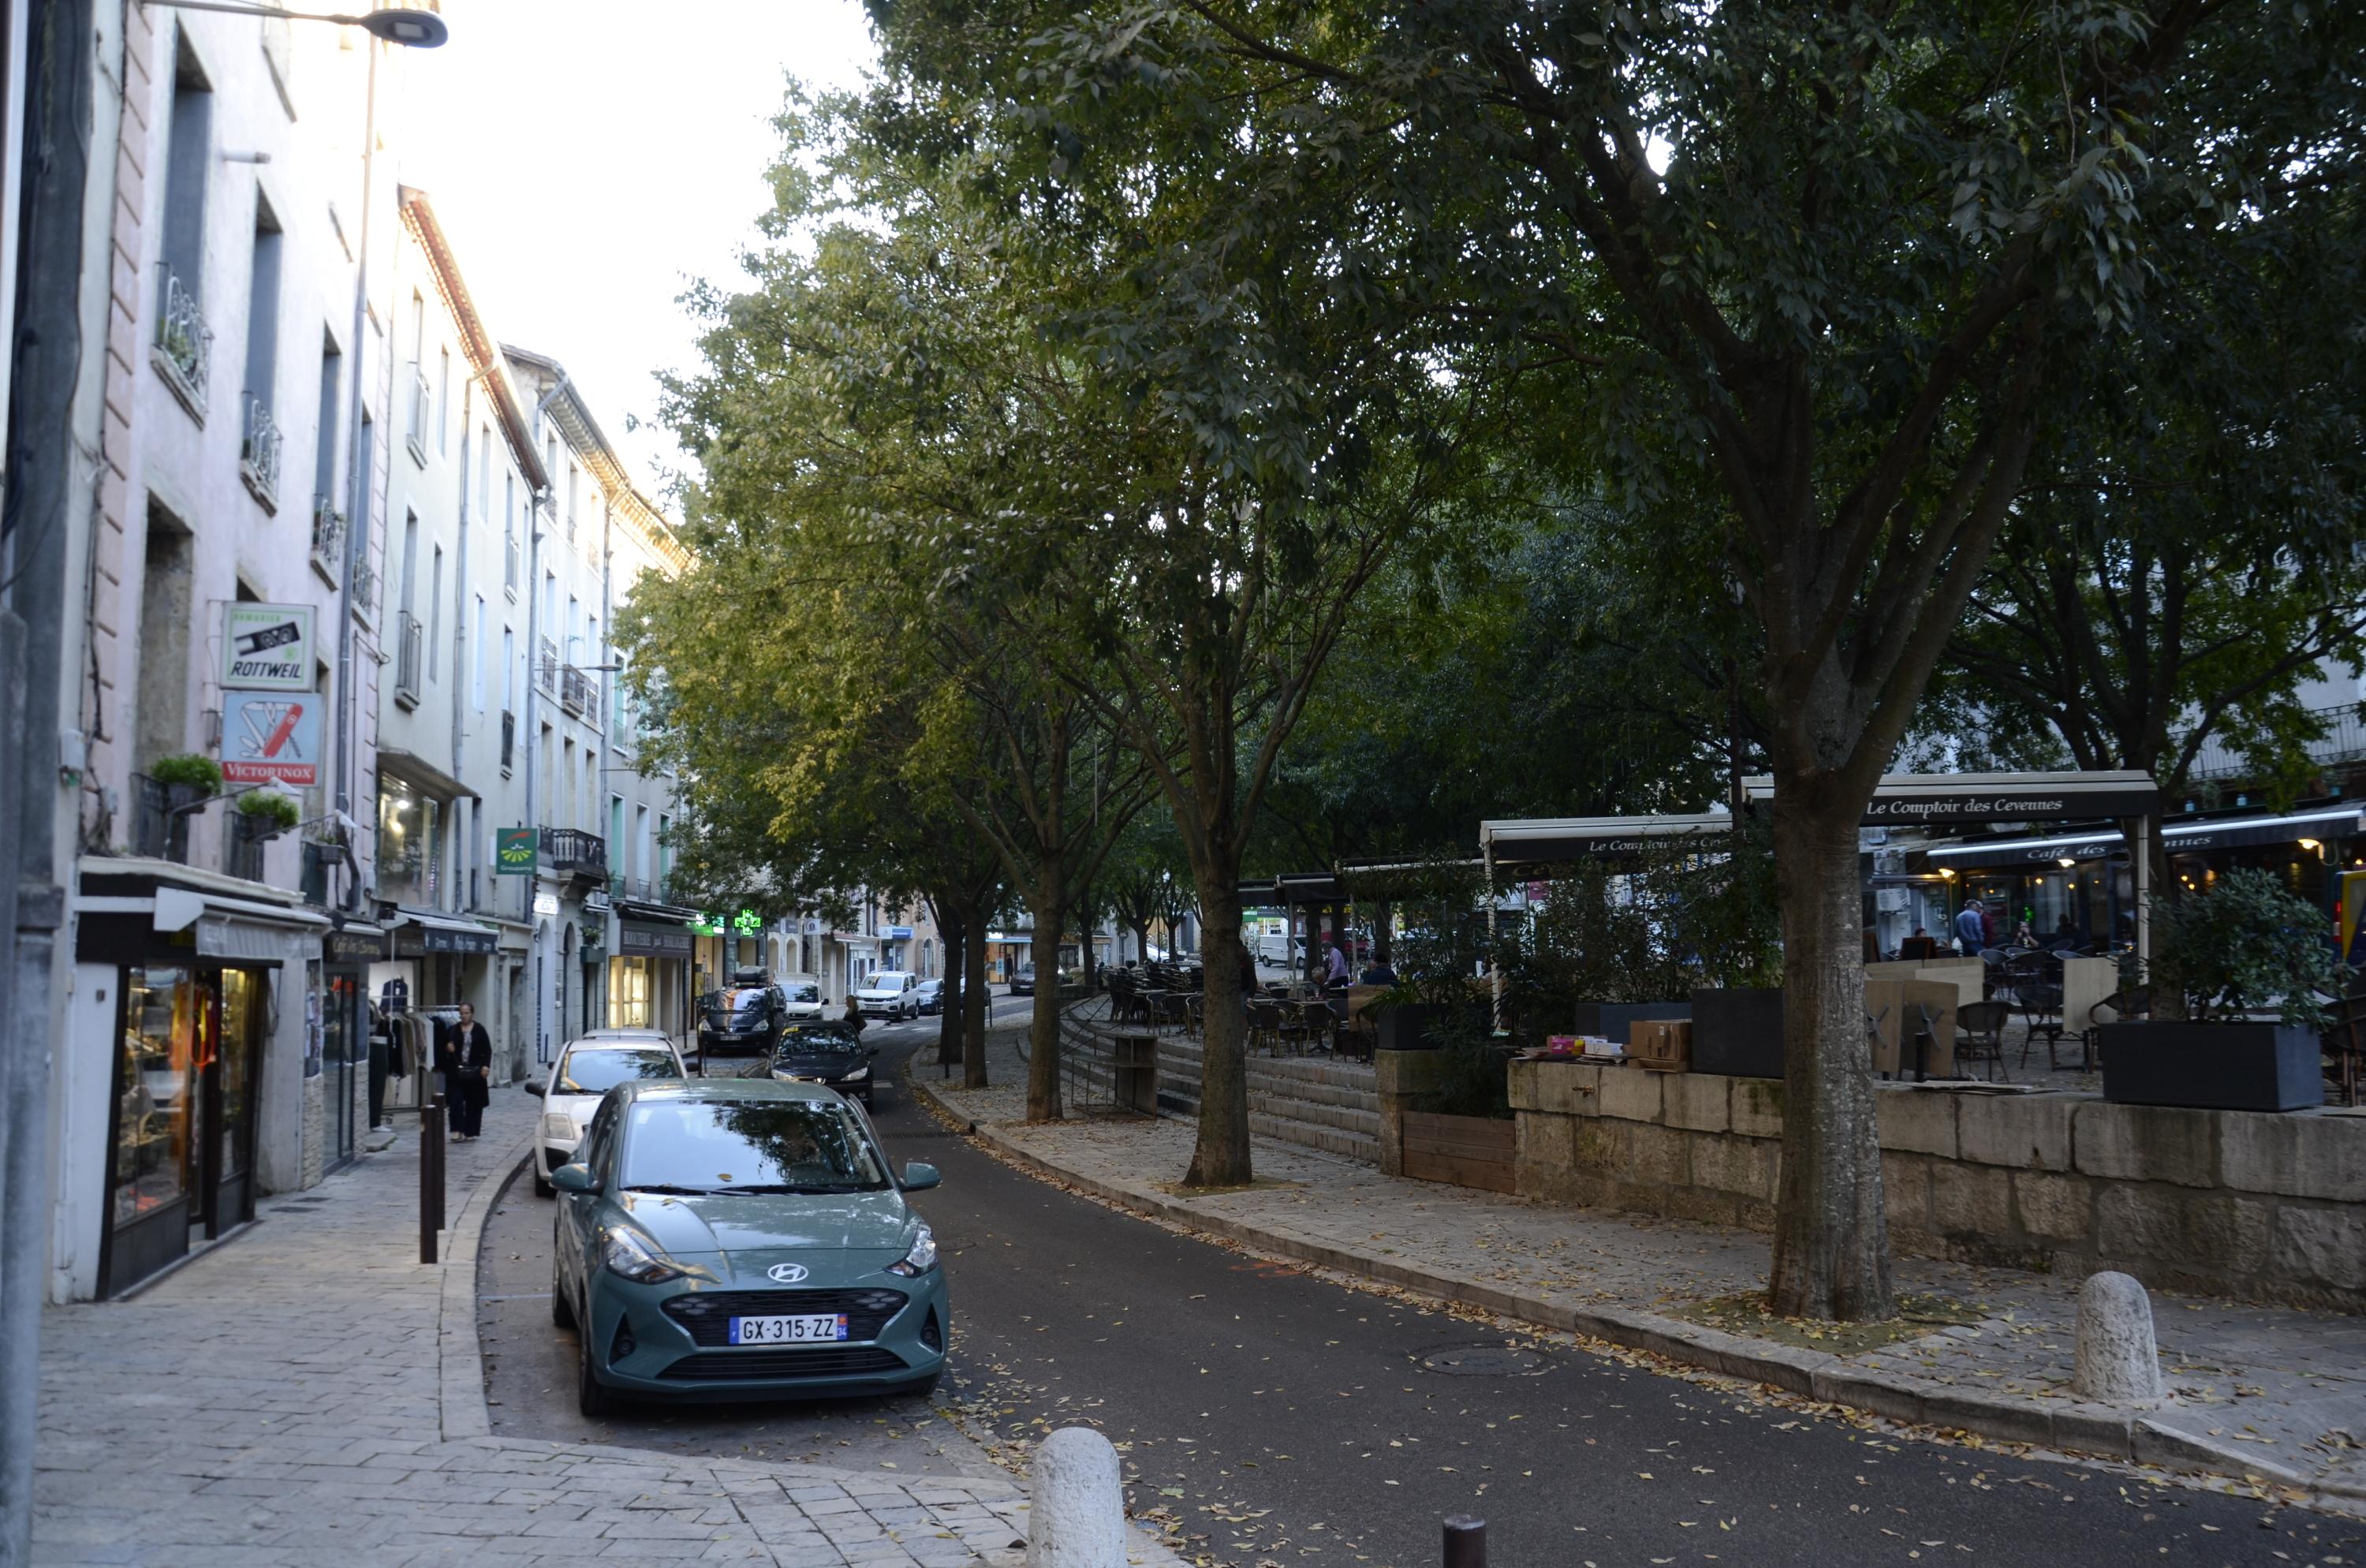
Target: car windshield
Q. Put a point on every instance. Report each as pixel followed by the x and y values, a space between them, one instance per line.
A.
pixel 747 1004
pixel 804 993
pixel 597 1072
pixel 749 1145
pixel 806 1039
pixel 889 980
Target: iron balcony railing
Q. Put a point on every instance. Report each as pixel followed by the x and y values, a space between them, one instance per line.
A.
pixel 571 851
pixel 365 588
pixel 159 817
pixel 2344 741
pixel 258 454
pixel 184 344
pixel 509 739
pixel 328 536
pixel 409 641
pixel 243 839
pixel 548 673
pixel 578 693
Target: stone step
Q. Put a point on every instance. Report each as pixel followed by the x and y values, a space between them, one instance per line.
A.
pixel 1361 1146
pixel 1346 1117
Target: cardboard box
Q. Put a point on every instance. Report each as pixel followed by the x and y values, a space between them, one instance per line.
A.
pixel 1665 1045
pixel 1897 1009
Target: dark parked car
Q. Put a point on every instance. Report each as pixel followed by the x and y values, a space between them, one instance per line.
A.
pixel 743 1019
pixel 830 1052
pixel 931 997
pixel 1023 981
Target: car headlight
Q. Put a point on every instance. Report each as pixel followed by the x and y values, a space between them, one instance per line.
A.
pixel 626 1256
pixel 558 1124
pixel 921 1258
pixel 856 1076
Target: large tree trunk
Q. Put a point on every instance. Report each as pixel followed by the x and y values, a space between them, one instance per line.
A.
pixel 1221 1157
pixel 956 931
pixel 1141 941
pixel 1832 1230
pixel 1043 1037
pixel 2167 1000
pixel 975 997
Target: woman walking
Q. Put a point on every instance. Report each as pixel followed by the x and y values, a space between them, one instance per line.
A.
pixel 468 1075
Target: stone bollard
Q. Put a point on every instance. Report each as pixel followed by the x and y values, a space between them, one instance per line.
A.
pixel 1077 1509
pixel 2118 1363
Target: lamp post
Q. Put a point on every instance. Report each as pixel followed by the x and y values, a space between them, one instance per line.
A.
pixel 402 24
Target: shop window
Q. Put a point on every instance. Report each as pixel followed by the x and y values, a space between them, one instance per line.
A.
pixel 628 993
pixel 409 846
pixel 159 1080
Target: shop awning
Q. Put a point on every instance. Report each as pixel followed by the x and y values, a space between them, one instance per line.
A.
pixel 1998 797
pixel 1545 841
pixel 1293 888
pixel 2179 838
pixel 418 934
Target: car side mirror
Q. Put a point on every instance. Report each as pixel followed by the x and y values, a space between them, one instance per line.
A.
pixel 919 1176
pixel 535 1087
pixel 575 1177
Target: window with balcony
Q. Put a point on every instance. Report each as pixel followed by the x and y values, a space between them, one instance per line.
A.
pixel 258 454
pixel 327 517
pixel 184 342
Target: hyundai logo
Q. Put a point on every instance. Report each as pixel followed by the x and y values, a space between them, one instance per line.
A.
pixel 786 1273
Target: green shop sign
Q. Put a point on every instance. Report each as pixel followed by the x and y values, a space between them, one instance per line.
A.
pixel 515 851
pixel 748 922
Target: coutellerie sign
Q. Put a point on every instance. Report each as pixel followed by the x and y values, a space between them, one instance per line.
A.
pixel 266 648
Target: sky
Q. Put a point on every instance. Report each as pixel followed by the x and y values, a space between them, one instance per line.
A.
pixel 589 158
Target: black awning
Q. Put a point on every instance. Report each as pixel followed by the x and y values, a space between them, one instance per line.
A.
pixel 1998 797
pixel 1514 845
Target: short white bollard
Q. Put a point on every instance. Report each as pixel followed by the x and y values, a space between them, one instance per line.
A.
pixel 2118 1362
pixel 1075 1517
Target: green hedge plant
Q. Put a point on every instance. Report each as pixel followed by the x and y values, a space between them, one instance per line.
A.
pixel 270 806
pixel 189 769
pixel 2246 946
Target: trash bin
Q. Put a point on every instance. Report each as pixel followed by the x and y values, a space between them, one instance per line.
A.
pixel 1134 1059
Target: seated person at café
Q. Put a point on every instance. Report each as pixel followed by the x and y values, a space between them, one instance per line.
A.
pixel 1918 945
pixel 1377 973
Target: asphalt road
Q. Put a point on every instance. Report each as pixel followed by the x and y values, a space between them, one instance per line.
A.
pixel 1277 1417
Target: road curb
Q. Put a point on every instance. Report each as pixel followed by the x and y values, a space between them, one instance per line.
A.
pixel 2071 1426
pixel 461 1357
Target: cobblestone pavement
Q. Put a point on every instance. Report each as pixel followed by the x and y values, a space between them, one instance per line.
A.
pixel 2285 1390
pixel 308 1392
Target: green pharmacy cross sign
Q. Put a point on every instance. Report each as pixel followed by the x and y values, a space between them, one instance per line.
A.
pixel 515 851
pixel 748 922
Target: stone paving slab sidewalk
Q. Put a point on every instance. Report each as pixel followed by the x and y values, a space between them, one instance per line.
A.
pixel 2267 1393
pixel 308 1393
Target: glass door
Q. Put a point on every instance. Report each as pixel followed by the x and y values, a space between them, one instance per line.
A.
pixel 344 1050
pixel 241 1003
pixel 153 1152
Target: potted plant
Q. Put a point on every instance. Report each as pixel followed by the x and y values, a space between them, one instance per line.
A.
pixel 2248 965
pixel 189 777
pixel 268 812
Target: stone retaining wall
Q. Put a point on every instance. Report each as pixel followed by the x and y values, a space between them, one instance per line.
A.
pixel 2262 1206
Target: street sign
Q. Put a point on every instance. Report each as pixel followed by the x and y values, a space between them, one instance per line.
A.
pixel 266 648
pixel 515 851
pixel 269 737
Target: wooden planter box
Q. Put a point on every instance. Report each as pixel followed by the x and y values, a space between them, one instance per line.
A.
pixel 2213 1066
pixel 1467 1151
pixel 1612 1021
pixel 1737 1030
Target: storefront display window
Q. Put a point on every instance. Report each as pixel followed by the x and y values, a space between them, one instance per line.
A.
pixel 160 1058
pixel 409 843
pixel 628 993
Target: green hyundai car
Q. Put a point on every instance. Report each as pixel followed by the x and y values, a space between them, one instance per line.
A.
pixel 742 1238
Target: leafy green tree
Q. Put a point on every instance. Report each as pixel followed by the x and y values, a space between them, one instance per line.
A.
pixel 1817 269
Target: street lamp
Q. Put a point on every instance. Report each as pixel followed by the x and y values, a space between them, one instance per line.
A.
pixel 396 24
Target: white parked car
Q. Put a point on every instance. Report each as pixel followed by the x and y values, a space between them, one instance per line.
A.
pixel 587 1068
pixel 889 994
pixel 803 1000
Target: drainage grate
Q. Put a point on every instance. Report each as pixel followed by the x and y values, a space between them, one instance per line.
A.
pixel 1491 1360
